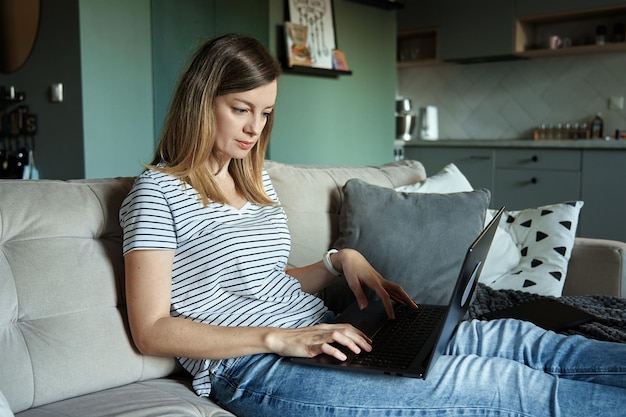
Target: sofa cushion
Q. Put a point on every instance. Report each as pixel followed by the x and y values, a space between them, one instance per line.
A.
pixel 416 239
pixel 312 198
pixel 545 238
pixel 503 255
pixel 156 397
pixel 517 260
pixel 449 179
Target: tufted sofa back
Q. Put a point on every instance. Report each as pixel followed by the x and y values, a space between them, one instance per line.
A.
pixel 312 199
pixel 63 328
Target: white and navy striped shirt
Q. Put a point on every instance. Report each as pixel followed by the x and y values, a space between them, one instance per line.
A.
pixel 229 264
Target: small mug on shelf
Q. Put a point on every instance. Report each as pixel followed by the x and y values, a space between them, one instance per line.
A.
pixel 554 42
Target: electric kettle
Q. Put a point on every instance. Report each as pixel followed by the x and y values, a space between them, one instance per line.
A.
pixel 429 124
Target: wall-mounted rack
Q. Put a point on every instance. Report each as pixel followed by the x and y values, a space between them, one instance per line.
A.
pixel 18 128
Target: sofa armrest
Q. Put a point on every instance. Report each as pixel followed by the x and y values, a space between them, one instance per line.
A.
pixel 597 266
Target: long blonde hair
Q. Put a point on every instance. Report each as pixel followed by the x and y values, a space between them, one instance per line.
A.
pixel 228 64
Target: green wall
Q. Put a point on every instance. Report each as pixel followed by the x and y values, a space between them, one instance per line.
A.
pixel 179 27
pixel 349 119
pixel 119 60
pixel 319 120
pixel 172 45
pixel 116 64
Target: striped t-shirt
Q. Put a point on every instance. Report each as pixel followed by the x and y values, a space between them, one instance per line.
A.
pixel 229 264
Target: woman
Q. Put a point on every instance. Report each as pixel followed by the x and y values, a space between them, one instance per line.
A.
pixel 206 247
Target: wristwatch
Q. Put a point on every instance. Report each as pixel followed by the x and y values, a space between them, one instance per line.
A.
pixel 329 264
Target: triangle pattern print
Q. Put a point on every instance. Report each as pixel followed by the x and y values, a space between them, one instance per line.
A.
pixel 528 283
pixel 544 237
pixel 556 274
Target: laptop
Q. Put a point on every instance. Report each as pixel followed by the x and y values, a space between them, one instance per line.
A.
pixel 412 352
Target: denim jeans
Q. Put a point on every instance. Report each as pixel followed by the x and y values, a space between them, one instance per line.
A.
pixel 495 368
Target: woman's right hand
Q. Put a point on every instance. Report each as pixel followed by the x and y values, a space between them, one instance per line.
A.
pixel 321 338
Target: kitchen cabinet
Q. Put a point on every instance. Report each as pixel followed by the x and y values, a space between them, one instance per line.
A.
pixel 476 164
pixel 419 14
pixel 418 34
pixel 418 47
pixel 517 178
pixel 530 174
pixel 530 178
pixel 604 192
pixel 473 31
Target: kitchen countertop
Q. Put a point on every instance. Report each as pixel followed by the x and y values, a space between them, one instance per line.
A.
pixel 520 143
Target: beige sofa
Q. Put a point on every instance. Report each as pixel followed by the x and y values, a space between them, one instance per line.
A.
pixel 65 348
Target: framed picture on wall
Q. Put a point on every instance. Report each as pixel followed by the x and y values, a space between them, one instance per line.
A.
pixel 318 19
pixel 297 45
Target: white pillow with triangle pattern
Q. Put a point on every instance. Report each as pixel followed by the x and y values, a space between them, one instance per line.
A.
pixel 545 237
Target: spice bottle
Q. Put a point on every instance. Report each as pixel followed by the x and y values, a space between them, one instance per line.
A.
pixel 600 35
pixel 584 131
pixel 597 125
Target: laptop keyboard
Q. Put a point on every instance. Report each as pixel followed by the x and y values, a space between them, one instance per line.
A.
pixel 397 343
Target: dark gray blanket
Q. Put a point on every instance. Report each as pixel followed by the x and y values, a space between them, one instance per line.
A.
pixel 610 312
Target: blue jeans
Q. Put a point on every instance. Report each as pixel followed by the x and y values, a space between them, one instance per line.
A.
pixel 496 368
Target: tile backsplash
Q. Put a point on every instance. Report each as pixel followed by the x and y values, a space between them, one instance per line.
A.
pixel 508 100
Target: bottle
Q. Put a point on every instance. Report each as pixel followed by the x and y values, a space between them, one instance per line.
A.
pixel 597 125
pixel 584 130
pixel 619 34
pixel 549 132
pixel 558 131
pixel 542 132
pixel 600 35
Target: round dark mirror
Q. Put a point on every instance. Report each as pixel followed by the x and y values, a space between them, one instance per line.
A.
pixel 19 21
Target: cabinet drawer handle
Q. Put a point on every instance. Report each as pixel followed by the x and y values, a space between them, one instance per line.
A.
pixel 534 180
pixel 534 158
pixel 481 157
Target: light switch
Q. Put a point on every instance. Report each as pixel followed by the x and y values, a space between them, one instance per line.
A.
pixel 616 103
pixel 56 93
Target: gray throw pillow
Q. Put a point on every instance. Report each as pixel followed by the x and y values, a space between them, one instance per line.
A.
pixel 417 240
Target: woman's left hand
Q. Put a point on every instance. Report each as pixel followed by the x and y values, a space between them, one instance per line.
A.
pixel 358 272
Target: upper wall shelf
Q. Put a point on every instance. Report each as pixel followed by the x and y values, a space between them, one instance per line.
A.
pixel 576 31
pixel 418 48
pixel 582 32
pixel 382 4
pixel 574 50
pixel 322 72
